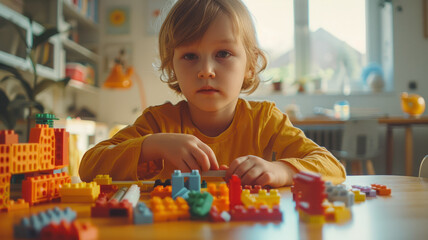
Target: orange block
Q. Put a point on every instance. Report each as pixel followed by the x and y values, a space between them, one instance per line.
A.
pixel 43 188
pixel 24 157
pixel 5 159
pixel 161 191
pixel 45 136
pixel 381 189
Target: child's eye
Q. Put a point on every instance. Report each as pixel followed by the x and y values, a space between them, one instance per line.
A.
pixel 190 56
pixel 223 54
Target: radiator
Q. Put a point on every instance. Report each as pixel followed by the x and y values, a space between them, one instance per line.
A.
pixel 328 137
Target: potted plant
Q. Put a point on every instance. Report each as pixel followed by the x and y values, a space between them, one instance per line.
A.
pixel 12 109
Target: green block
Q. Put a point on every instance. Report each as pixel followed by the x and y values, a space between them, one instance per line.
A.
pixel 199 203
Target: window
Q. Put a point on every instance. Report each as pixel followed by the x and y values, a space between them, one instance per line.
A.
pixel 316 45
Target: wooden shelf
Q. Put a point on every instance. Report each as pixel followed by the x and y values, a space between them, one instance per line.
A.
pixel 83 86
pixel 71 11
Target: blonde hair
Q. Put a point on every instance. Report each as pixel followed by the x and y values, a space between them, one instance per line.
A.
pixel 187 22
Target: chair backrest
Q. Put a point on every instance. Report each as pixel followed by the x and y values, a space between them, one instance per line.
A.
pixel 360 138
pixel 423 169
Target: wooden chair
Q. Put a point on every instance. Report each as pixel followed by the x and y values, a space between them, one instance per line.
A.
pixel 360 143
pixel 423 168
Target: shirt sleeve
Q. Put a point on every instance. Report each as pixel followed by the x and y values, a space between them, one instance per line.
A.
pixel 119 156
pixel 293 147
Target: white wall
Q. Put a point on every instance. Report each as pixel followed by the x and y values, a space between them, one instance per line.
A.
pixel 410 63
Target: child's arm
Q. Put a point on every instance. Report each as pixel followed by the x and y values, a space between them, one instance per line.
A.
pixel 294 151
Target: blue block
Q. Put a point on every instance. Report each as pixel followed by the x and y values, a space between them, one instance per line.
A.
pixel 142 214
pixel 31 227
pixel 193 182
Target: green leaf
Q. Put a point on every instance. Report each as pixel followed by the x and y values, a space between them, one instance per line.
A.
pixel 5 115
pixel 46 83
pixel 19 77
pixel 37 40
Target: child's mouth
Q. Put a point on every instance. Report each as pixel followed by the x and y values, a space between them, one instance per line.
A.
pixel 208 90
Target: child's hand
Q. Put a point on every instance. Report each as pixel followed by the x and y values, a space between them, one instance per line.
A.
pixel 184 151
pixel 254 170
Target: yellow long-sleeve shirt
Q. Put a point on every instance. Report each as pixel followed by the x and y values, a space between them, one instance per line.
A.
pixel 258 128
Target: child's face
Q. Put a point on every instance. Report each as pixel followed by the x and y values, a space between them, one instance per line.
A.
pixel 210 72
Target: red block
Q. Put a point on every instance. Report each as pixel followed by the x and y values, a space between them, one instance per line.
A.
pixel 235 190
pixel 239 213
pixel 61 147
pixel 66 230
pixel 8 137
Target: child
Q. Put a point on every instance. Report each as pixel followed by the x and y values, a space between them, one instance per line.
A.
pixel 209 54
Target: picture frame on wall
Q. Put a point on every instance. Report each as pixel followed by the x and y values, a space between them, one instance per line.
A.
pixel 118 20
pixel 153 16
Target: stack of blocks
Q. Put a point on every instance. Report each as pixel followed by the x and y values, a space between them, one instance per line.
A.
pixel 46 151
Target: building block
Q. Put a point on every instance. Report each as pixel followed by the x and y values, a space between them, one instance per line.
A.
pixel 366 189
pixel 381 189
pixel 67 230
pixel 161 191
pixel 30 227
pixel 43 188
pixel 169 210
pixel 235 190
pixel 45 137
pixel 158 182
pixel 109 190
pixel 199 203
pixel 240 213
pixel 220 196
pixel 112 208
pixel 8 137
pixel 79 192
pixel 25 158
pixel 204 184
pixel 119 194
pixel 4 191
pixel 214 173
pixel 61 147
pixel 103 179
pixel 339 193
pixel 5 160
pixel 132 195
pixel 219 216
pixel 177 182
pixel 45 119
pixel 18 204
pixel 359 196
pixel 338 213
pixel 142 214
pixel 311 218
pixel 262 198
pixel 183 192
pixel 256 188
pixel 309 192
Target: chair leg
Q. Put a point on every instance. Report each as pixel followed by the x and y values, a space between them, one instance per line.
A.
pixel 357 168
pixel 370 168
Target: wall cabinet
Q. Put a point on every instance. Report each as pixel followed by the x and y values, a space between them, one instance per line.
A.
pixel 77 42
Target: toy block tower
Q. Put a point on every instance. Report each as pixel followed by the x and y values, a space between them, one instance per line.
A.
pixel 47 150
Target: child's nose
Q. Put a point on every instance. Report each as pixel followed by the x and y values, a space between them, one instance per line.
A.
pixel 207 70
